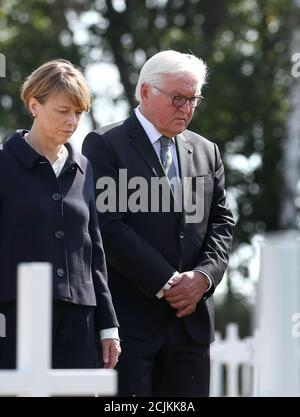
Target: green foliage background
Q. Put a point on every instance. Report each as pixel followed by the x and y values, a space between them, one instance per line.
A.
pixel 246 46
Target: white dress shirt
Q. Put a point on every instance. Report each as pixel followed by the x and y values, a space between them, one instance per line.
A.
pixel 154 135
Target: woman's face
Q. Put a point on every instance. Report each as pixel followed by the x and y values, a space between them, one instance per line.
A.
pixel 57 119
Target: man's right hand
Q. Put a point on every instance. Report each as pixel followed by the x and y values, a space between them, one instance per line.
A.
pixel 186 291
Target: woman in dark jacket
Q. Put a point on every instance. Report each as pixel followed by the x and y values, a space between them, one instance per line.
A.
pixel 48 214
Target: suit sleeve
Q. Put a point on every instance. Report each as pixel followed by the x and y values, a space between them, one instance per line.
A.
pixel 105 312
pixel 129 253
pixel 216 248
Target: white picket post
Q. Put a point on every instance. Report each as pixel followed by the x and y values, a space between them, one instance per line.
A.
pixel 34 376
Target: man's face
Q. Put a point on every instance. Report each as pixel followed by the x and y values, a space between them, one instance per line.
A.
pixel 157 106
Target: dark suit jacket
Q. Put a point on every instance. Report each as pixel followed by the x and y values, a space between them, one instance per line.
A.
pixel 144 249
pixel 45 218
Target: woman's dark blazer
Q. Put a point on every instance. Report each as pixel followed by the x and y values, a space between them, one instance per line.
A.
pixel 48 219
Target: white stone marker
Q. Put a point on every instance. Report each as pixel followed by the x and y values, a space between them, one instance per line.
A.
pixel 278 364
pixel 34 376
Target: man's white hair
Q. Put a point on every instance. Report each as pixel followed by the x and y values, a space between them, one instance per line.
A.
pixel 173 63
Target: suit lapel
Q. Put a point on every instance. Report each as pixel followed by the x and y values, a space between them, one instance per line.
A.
pixel 185 163
pixel 186 166
pixel 143 146
pixel 185 156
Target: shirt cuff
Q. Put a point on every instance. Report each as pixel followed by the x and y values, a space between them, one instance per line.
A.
pixel 112 333
pixel 210 283
pixel 167 286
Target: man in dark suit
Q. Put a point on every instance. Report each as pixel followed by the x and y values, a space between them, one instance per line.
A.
pixel 166 250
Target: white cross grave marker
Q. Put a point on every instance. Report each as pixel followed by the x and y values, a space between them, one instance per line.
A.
pixel 231 352
pixel 278 358
pixel 34 376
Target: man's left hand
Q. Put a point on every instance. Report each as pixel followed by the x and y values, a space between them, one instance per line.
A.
pixel 185 293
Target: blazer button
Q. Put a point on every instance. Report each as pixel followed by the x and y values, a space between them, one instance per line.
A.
pixel 60 272
pixel 56 196
pixel 181 235
pixel 59 234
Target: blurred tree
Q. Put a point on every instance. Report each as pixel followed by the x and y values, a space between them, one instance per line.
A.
pixel 31 33
pixel 245 43
pixel 233 307
pixel 290 193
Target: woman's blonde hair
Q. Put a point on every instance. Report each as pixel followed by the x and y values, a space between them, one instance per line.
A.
pixel 57 76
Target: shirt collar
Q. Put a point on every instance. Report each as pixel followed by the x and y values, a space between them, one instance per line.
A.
pixel 75 158
pixel 151 131
pixel 28 157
